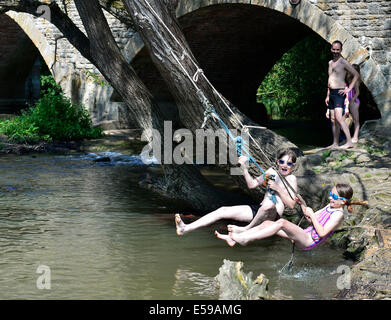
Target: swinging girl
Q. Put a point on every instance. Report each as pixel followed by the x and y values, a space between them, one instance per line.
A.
pixel 324 222
pixel 272 206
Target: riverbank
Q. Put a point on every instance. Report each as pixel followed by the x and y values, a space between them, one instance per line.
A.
pixel 125 141
pixel 365 234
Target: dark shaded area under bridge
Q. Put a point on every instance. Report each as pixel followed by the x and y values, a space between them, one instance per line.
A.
pixel 19 67
pixel 236 45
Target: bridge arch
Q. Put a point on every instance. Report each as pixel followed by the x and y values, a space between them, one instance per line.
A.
pixel 74 73
pixel 305 18
pixel 19 67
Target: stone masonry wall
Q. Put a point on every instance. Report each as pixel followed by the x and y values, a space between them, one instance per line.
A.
pixel 363 26
pixel 369 22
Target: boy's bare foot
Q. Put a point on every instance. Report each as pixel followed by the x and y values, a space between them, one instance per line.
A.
pixel 225 237
pixel 180 225
pixel 354 140
pixel 237 229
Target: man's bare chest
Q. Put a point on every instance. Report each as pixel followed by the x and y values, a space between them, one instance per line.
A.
pixel 336 67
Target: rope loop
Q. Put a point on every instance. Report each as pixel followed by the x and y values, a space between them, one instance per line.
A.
pixel 196 75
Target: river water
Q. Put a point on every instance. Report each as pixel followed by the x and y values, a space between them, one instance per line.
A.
pixel 101 237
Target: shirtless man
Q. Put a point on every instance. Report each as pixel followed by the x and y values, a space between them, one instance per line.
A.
pixel 337 92
pixel 254 214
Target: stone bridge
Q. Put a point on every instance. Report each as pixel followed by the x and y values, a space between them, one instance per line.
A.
pixel 235 42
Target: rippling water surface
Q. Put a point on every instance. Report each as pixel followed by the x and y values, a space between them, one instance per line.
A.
pixel 104 238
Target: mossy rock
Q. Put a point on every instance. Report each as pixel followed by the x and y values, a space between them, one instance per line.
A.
pixel 340 239
pixel 356 249
pixel 234 284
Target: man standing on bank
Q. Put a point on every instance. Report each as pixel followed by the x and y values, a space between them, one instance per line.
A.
pixel 337 93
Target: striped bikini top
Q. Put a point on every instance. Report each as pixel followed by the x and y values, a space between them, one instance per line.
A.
pixel 323 217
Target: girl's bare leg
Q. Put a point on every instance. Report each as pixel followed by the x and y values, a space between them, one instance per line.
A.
pixel 226 237
pixel 354 107
pixel 240 213
pixel 281 227
pixel 266 212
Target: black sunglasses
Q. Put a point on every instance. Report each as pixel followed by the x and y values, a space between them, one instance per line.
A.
pixel 289 164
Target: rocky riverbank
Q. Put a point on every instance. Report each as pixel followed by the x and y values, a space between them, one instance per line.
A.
pixel 366 233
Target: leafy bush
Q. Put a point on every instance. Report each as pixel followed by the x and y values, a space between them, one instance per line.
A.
pixel 49 85
pixel 53 117
pixel 296 86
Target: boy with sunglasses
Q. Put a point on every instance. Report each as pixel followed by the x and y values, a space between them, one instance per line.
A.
pixel 323 223
pixel 272 206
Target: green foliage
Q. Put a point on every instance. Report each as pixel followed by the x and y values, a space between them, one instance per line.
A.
pixel 326 154
pixel 49 86
pixel 53 117
pixel 96 78
pixel 296 86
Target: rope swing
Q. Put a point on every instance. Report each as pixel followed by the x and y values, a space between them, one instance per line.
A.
pixel 210 112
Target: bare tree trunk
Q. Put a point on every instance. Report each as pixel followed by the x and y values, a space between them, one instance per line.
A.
pixel 173 58
pixel 183 183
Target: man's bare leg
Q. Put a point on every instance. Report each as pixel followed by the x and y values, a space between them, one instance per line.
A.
pixel 335 130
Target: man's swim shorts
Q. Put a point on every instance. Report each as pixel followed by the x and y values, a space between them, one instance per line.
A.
pixel 336 100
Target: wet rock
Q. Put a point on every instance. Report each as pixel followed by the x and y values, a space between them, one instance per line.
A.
pixel 355 250
pixel 340 239
pixel 102 159
pixel 234 284
pixel 315 159
pixel 387 222
pixel 387 147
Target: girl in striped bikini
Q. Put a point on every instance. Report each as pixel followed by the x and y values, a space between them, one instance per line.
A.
pixel 324 222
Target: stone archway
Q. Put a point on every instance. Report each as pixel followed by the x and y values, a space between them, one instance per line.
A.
pixel 316 20
pixel 19 67
pixel 78 78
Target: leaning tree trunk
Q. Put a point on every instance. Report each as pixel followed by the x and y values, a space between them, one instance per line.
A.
pixel 183 184
pixel 172 56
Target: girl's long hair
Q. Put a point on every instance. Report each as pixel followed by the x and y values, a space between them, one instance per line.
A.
pixel 346 191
